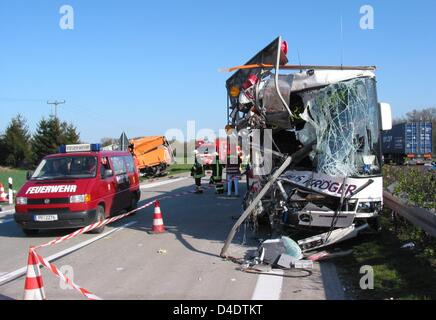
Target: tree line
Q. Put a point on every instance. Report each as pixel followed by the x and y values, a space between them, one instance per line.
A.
pixel 21 149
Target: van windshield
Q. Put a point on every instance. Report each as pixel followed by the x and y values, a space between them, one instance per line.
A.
pixel 79 167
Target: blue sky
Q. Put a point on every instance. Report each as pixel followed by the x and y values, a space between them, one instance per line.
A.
pixel 148 66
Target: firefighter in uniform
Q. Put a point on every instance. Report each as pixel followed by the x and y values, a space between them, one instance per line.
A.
pixel 197 172
pixel 217 175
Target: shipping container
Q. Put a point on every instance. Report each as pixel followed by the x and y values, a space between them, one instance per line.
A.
pixel 411 140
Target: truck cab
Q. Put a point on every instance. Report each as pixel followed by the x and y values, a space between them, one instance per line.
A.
pixel 77 187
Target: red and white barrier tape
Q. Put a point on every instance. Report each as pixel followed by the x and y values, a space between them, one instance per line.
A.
pixel 51 267
pixel 93 226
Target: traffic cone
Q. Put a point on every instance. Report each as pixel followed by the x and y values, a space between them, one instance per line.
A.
pixel 158 225
pixel 3 195
pixel 34 286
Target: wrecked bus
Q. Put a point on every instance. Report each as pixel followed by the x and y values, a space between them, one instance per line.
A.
pixel 320 129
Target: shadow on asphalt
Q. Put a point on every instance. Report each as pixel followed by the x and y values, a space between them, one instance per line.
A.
pixel 6 298
pixel 204 216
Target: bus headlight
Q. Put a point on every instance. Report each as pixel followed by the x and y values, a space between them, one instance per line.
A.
pixel 82 198
pixel 21 200
pixel 369 207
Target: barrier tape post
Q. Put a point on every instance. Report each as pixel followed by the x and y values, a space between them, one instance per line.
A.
pixel 11 191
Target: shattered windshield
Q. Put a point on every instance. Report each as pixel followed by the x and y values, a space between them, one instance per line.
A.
pixel 344 118
pixel 66 168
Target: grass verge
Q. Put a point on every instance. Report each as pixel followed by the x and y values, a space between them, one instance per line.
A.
pixel 400 274
pixel 19 177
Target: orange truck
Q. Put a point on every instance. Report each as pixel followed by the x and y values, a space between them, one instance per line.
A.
pixel 153 154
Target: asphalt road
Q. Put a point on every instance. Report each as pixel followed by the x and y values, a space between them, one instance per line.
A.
pixel 126 264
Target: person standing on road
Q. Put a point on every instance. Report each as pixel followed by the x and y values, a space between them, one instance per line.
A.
pixel 217 175
pixel 197 172
pixel 233 170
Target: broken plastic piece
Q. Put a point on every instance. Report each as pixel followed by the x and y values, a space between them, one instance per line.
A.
pixel 271 250
pixel 286 261
pixel 303 264
pixel 328 238
pixel 318 256
pixel 292 248
pixel 324 255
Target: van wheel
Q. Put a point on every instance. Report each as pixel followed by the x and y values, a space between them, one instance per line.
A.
pixel 133 204
pixel 100 217
pixel 29 232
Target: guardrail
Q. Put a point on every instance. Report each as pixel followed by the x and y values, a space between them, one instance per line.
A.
pixel 421 218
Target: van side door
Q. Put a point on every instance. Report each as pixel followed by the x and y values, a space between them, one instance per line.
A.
pixel 107 186
pixel 121 180
pixel 132 173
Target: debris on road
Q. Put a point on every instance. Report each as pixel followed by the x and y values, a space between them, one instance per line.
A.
pixel 325 255
pixel 286 261
pixel 303 264
pixel 271 250
pixel 283 253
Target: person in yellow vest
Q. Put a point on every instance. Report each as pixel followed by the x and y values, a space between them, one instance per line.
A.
pixel 197 172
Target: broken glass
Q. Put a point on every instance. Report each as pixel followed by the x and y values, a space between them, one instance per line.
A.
pixel 345 120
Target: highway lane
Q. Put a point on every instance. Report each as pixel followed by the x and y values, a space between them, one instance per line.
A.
pixel 127 263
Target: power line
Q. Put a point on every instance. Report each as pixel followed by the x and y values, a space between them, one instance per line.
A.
pixel 56 104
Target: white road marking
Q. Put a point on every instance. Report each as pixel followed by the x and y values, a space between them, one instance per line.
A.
pixel 20 272
pixel 6 221
pixel 269 287
pixel 162 183
pixel 8 211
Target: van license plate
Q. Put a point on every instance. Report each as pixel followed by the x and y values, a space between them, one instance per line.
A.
pixel 46 218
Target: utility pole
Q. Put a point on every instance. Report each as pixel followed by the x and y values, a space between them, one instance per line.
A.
pixel 56 104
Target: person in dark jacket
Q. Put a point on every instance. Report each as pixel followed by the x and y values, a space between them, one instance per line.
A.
pixel 197 172
pixel 217 175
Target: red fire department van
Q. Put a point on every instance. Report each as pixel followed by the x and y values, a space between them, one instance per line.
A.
pixel 77 187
